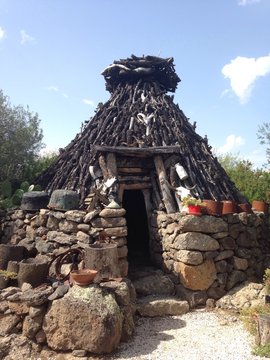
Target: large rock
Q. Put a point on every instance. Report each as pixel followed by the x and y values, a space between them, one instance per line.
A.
pixel 8 323
pixel 117 231
pixel 75 215
pixel 199 277
pixel 108 222
pixel 224 255
pixel 111 213
pixel 154 284
pixel 240 263
pixel 234 278
pixel 194 298
pixel 195 241
pixel 68 226
pixel 204 224
pixel 153 306
pixel 189 257
pixel 243 296
pixel 85 318
pixel 61 238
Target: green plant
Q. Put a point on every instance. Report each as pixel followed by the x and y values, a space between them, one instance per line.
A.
pixel 262 350
pixel 249 316
pixel 188 200
pixel 8 274
pixel 9 199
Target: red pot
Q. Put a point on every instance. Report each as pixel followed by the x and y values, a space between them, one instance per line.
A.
pixel 194 210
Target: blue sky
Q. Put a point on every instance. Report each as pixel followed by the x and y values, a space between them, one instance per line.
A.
pixel 53 51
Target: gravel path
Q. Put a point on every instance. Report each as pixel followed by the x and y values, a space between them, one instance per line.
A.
pixel 197 335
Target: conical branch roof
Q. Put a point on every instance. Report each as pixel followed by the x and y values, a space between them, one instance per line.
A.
pixel 141 115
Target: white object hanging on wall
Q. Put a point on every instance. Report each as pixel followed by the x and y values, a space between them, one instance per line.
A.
pixel 181 172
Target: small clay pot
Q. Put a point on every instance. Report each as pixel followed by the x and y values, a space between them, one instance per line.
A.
pixel 229 207
pixel 259 205
pixel 213 207
pixel 83 277
pixel 245 208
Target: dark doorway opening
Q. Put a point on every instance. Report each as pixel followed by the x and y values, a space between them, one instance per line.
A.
pixel 138 233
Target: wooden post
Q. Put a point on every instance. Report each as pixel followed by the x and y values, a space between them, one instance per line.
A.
pixel 102 164
pixel 156 198
pixel 165 191
pixel 103 258
pixel 111 165
pixel 263 329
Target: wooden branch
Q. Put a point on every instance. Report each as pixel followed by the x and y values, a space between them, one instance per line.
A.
pixel 166 193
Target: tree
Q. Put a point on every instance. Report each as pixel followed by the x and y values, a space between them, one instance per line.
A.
pixel 253 183
pixel 264 137
pixel 20 139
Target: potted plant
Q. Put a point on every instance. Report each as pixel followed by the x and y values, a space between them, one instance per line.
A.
pixel 194 205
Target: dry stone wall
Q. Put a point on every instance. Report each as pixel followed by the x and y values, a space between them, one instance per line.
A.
pixel 206 255
pixel 51 232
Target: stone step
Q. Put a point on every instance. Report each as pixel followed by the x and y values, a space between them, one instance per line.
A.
pixel 152 306
pixel 148 281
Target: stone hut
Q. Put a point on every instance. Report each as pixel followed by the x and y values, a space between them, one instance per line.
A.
pixel 130 151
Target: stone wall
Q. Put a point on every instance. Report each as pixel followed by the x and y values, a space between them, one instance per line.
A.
pixel 206 255
pixel 90 319
pixel 51 232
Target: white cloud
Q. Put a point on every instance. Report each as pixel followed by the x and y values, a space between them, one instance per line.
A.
pixel 232 142
pixel 53 88
pixel 247 2
pixel 243 72
pixel 56 89
pixel 26 38
pixel 89 102
pixel 2 33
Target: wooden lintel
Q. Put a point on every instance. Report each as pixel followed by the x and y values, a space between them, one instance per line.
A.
pixel 136 186
pixel 145 152
pixel 132 170
pixel 134 179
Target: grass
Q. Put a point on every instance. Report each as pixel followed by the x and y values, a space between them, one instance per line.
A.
pixel 249 317
pixel 262 350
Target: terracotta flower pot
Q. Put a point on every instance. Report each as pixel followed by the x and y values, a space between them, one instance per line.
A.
pixel 229 207
pixel 259 205
pixel 83 277
pixel 245 208
pixel 194 210
pixel 213 207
